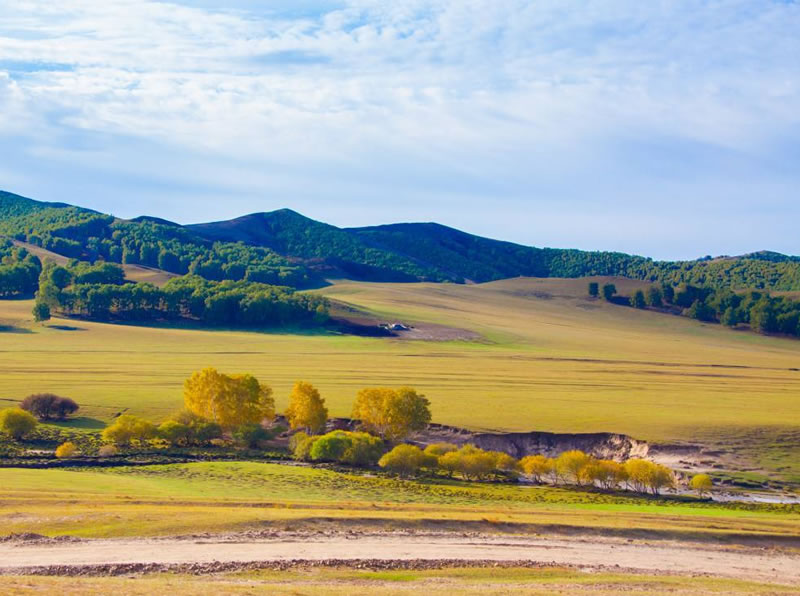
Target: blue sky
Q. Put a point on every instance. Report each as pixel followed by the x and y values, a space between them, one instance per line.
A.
pixel 664 128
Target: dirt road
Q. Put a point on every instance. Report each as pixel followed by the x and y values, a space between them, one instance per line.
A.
pixel 660 557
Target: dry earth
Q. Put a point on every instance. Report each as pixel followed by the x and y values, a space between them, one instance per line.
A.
pixel 213 553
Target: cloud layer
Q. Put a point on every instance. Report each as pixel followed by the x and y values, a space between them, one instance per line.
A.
pixel 664 128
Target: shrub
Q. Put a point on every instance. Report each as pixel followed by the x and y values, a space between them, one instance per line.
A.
pixel 175 433
pixel 300 446
pixel 330 447
pixel 47 406
pixel 250 435
pixel 107 451
pixel 128 429
pixel 66 450
pixel 403 460
pixel 439 449
pixel 16 423
pixel 364 450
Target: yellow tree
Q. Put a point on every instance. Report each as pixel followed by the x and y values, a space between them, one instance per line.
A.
pixel 392 414
pixel 306 408
pixel 228 400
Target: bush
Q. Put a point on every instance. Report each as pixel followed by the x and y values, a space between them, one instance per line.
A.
pixel 300 446
pixel 250 435
pixel 47 406
pixel 175 433
pixel 364 450
pixel 128 429
pixel 16 423
pixel 66 450
pixel 439 449
pixel 403 460
pixel 330 447
pixel 107 451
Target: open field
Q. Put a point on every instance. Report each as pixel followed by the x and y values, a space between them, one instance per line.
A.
pixel 550 360
pixel 237 496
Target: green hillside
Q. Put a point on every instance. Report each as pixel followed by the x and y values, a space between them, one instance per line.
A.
pixel 286 248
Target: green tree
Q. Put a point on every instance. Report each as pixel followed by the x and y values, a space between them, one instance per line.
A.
pixel 300 445
pixel 608 291
pixel 176 433
pixel 638 300
pixel 230 401
pixel 654 297
pixel 331 446
pixel 668 291
pixel 700 311
pixel 41 312
pixel 16 423
pixel 364 450
pixel 730 317
pixel 306 408
pixel 594 289
pixel 250 435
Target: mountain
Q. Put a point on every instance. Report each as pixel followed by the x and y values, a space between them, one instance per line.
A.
pixel 287 248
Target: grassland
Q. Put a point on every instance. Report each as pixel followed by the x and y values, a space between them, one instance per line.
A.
pixel 237 496
pixel 549 360
pixel 483 582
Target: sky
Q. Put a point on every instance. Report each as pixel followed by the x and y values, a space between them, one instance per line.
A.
pixel 668 128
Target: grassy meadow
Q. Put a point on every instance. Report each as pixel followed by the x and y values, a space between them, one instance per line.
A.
pixel 548 359
pixel 236 496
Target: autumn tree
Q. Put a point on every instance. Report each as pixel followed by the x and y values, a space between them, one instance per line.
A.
pixel 392 414
pixel 228 400
pixel 439 449
pixel 571 465
pixel 701 483
pixel 306 408
pixel 66 450
pixel 537 467
pixel 16 422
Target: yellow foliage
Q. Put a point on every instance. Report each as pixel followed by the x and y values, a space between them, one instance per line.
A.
pixel 392 414
pixel 306 408
pixel 537 467
pixel 701 483
pixel 65 450
pixel 228 400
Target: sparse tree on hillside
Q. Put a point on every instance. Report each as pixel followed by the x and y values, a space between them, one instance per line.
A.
pixel 46 406
pixel 730 317
pixel 594 289
pixel 392 414
pixel 16 422
pixel 638 300
pixel 668 292
pixel 654 297
pixel 306 408
pixel 230 401
pixel 608 291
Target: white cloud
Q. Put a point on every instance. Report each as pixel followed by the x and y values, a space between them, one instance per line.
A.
pixel 535 106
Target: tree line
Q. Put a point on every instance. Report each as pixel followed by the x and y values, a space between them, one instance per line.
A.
pixel 763 312
pixel 99 292
pixel 19 271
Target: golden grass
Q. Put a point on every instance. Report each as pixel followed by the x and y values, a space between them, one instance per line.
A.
pixel 551 360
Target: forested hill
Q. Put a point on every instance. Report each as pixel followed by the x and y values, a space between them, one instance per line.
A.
pixel 287 248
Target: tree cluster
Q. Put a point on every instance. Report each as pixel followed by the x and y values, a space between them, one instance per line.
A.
pixel 47 406
pixel 19 271
pixel 190 297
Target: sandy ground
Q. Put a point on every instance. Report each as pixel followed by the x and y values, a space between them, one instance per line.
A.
pixel 662 557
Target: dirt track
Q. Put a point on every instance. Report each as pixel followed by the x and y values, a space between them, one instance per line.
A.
pixel 662 557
